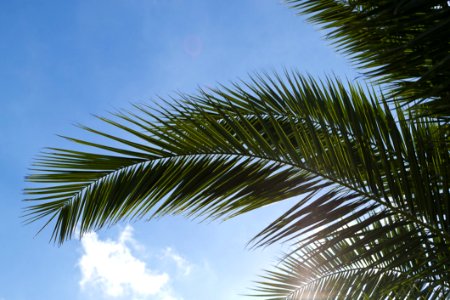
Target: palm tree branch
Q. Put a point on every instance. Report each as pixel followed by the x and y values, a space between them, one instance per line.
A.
pixel 402 44
pixel 237 127
pixel 374 246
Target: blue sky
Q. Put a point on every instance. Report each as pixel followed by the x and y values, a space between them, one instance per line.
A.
pixel 63 61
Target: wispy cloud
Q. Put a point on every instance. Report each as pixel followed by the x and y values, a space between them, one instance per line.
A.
pixel 184 266
pixel 112 268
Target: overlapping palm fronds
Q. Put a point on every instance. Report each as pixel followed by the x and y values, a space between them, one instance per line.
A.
pixel 405 44
pixel 374 198
pixel 388 259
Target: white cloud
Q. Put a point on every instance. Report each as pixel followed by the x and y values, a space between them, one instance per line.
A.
pixel 110 267
pixel 182 264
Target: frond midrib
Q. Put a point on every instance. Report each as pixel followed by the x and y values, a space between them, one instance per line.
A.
pixel 362 194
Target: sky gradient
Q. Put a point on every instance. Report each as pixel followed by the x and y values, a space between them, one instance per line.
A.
pixel 62 62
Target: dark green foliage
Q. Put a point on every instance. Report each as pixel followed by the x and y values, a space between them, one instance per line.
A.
pixel 373 185
pixel 402 43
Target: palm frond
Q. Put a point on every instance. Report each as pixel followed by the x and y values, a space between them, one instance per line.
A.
pixel 227 151
pixel 387 259
pixel 405 44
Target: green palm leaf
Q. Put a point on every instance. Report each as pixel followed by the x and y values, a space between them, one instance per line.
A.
pixel 360 170
pixel 405 44
pixel 389 259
